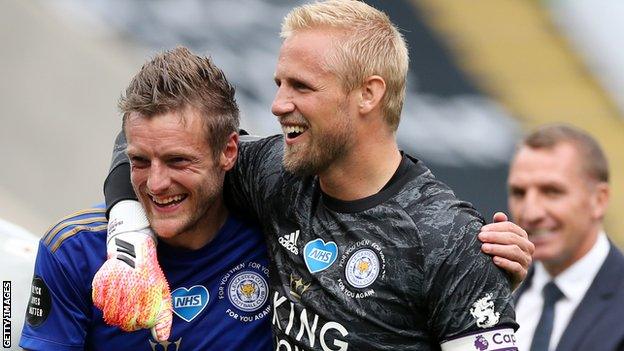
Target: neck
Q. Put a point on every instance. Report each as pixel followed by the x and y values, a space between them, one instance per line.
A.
pixel 203 231
pixel 363 172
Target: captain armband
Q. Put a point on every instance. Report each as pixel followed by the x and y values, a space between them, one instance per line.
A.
pixel 502 339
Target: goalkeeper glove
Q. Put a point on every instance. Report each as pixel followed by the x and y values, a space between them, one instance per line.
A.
pixel 130 287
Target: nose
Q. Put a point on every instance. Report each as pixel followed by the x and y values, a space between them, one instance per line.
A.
pixel 282 103
pixel 158 180
pixel 532 208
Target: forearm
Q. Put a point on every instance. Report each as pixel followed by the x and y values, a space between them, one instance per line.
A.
pixel 117 186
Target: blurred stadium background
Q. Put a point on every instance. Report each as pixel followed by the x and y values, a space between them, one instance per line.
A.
pixel 482 72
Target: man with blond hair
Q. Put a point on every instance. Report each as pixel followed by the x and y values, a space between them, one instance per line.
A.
pixel 369 251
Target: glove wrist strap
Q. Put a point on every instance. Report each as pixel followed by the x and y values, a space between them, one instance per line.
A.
pixel 128 216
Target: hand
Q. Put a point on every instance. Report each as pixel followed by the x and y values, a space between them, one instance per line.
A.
pixel 510 246
pixel 130 287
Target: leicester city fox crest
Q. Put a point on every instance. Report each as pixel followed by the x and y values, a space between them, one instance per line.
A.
pixel 362 268
pixel 246 288
pixel 248 291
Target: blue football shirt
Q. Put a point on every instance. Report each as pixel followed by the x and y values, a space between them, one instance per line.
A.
pixel 220 293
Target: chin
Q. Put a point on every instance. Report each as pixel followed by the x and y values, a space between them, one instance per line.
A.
pixel 296 167
pixel 545 255
pixel 165 231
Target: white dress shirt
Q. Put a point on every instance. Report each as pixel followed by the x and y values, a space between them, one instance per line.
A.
pixel 573 283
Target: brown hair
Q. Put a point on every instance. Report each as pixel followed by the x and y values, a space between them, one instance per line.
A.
pixel 177 79
pixel 371 45
pixel 592 157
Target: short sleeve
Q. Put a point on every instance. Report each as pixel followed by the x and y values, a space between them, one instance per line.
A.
pixel 466 292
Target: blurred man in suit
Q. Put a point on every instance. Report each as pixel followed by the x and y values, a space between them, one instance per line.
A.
pixel 558 192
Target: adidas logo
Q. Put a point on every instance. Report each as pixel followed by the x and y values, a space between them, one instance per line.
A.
pixel 289 241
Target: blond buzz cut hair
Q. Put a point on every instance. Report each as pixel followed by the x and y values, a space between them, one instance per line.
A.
pixel 371 45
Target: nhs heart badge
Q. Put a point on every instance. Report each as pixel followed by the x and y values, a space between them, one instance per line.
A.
pixel 189 303
pixel 319 256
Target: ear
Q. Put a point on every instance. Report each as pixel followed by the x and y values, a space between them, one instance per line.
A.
pixel 373 90
pixel 600 200
pixel 229 153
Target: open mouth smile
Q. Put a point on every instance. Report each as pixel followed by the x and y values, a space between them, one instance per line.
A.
pixel 292 132
pixel 167 202
pixel 538 235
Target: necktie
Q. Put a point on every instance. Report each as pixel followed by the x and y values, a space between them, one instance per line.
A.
pixel 541 338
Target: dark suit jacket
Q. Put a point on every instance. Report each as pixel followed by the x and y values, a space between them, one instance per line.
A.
pixel 598 321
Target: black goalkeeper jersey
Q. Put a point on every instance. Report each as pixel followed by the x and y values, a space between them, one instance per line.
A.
pixel 399 270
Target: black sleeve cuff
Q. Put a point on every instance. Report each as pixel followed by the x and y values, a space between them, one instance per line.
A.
pixel 117 186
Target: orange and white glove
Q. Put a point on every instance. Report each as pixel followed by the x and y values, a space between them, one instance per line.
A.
pixel 130 287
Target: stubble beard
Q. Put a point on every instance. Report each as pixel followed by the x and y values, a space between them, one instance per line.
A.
pixel 320 152
pixel 207 194
pixel 191 221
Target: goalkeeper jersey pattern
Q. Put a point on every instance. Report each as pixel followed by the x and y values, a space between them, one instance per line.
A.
pixel 399 270
pixel 220 292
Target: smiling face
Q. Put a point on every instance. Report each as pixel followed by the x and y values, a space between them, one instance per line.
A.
pixel 174 174
pixel 556 202
pixel 317 116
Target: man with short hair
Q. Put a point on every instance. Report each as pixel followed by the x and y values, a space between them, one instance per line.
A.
pixel 368 250
pixel 180 119
pixel 559 191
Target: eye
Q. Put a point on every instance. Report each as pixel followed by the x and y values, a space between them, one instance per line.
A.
pixel 516 193
pixel 178 161
pixel 298 85
pixel 139 162
pixel 552 191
